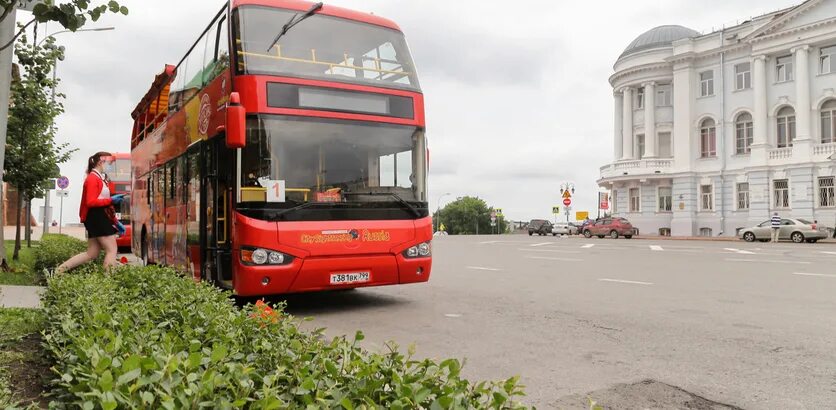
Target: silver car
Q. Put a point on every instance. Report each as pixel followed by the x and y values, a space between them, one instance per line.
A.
pixel 563 228
pixel 796 230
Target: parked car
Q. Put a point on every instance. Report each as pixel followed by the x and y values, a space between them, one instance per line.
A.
pixel 540 227
pixel 564 228
pixel 612 227
pixel 794 229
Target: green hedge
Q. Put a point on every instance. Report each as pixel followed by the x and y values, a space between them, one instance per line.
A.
pixel 148 338
pixel 55 249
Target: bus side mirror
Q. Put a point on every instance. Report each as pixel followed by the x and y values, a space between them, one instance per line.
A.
pixel 236 120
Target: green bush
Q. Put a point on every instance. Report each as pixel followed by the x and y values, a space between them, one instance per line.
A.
pixel 148 338
pixel 55 249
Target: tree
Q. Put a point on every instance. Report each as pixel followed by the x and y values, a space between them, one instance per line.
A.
pixel 72 15
pixel 468 215
pixel 32 156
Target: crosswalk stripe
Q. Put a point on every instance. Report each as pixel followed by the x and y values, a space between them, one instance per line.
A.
pixel 541 244
pixel 824 275
pixel 482 268
pixel 632 282
pixel 740 251
pixel 587 246
pixel 656 248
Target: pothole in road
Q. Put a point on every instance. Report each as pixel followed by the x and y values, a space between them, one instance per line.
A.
pixel 647 394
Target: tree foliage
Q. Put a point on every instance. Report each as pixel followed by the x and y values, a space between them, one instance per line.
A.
pixel 32 156
pixel 467 216
pixel 72 15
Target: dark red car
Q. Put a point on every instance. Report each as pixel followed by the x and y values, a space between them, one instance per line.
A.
pixel 612 227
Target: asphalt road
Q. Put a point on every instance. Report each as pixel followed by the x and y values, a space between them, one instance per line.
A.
pixel 749 325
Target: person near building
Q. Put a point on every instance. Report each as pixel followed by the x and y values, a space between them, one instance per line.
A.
pixel 95 203
pixel 776 226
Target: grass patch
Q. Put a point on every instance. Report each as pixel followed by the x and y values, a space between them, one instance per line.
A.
pixel 23 368
pixel 23 272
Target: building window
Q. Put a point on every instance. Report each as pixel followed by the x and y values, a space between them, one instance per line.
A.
pixel 635 200
pixel 743 196
pixel 706 83
pixel 706 198
pixel 665 199
pixel 665 146
pixel 705 232
pixel 827 192
pixel 828 122
pixel 640 147
pixel 743 133
pixel 664 95
pixel 786 127
pixel 614 200
pixel 640 98
pixel 743 76
pixel 827 60
pixel 783 69
pixel 708 139
pixel 781 190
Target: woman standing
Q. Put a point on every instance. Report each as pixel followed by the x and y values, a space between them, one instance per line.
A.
pixel 95 201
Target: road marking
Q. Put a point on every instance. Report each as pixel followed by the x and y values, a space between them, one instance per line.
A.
pixel 767 261
pixel 542 244
pixel 587 246
pixel 828 253
pixel 453 315
pixel 547 258
pixel 488 242
pixel 823 275
pixel 656 248
pixel 483 268
pixel 547 250
pixel 742 252
pixel 631 282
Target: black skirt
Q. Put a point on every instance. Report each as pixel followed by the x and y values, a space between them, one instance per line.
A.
pixel 98 224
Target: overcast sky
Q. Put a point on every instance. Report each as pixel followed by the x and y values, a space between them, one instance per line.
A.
pixel 517 97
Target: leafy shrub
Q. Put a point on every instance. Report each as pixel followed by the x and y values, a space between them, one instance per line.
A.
pixel 148 338
pixel 55 249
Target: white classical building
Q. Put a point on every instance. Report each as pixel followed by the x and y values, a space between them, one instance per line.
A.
pixel 714 132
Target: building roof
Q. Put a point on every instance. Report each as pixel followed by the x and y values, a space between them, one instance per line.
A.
pixel 662 36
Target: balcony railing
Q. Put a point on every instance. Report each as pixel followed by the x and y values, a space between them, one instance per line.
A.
pixel 824 149
pixel 621 166
pixel 780 153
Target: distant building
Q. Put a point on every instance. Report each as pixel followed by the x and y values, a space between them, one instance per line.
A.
pixel 714 132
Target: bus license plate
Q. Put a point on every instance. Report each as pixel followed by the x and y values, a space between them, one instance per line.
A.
pixel 345 278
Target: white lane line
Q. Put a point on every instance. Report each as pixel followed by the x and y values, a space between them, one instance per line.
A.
pixel 742 252
pixel 488 242
pixel 483 268
pixel 452 315
pixel 547 258
pixel 823 275
pixel 631 282
pixel 767 261
pixel 656 248
pixel 541 244
pixel 828 253
pixel 587 246
pixel 547 250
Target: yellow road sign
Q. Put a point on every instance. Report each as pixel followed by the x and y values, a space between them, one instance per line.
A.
pixel 581 215
pixel 567 194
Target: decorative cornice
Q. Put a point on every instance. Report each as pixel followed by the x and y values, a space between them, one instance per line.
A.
pixel 794 30
pixel 804 47
pixel 637 70
pixel 782 20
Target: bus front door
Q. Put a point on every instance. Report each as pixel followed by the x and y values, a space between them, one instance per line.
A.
pixel 216 209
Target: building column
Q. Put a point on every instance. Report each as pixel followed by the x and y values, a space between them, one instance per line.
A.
pixel 617 124
pixel 803 144
pixel 760 124
pixel 627 124
pixel 650 143
pixel 683 100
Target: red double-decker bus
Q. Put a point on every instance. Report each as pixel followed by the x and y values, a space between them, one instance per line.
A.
pixel 285 153
pixel 119 174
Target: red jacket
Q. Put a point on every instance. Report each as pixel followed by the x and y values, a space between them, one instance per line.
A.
pixel 90 195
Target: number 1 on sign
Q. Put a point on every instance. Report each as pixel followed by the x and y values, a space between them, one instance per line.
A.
pixel 275 190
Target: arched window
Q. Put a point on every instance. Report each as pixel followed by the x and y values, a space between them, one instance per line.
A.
pixel 708 138
pixel 828 122
pixel 743 133
pixel 786 127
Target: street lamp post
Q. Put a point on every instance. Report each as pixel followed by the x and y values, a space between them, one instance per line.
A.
pixel 54 79
pixel 438 211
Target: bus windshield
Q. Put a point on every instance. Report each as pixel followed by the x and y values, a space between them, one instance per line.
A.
pixel 302 160
pixel 119 170
pixel 322 47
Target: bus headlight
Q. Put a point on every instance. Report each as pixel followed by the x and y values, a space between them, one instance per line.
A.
pixel 260 257
pixel 421 250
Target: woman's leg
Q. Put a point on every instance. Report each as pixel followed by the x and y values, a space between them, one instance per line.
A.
pixel 93 250
pixel 108 243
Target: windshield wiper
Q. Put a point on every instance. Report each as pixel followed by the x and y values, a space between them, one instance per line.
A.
pixel 302 206
pixel 411 208
pixel 293 21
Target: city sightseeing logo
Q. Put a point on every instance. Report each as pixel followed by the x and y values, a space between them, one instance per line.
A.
pixel 346 236
pixel 205 115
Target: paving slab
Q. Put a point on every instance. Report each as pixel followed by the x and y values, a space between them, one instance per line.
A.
pixel 20 296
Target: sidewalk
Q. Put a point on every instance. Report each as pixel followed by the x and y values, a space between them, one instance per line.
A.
pixel 20 296
pixel 74 231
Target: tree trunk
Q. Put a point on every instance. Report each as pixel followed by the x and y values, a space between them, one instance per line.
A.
pixel 28 223
pixel 17 226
